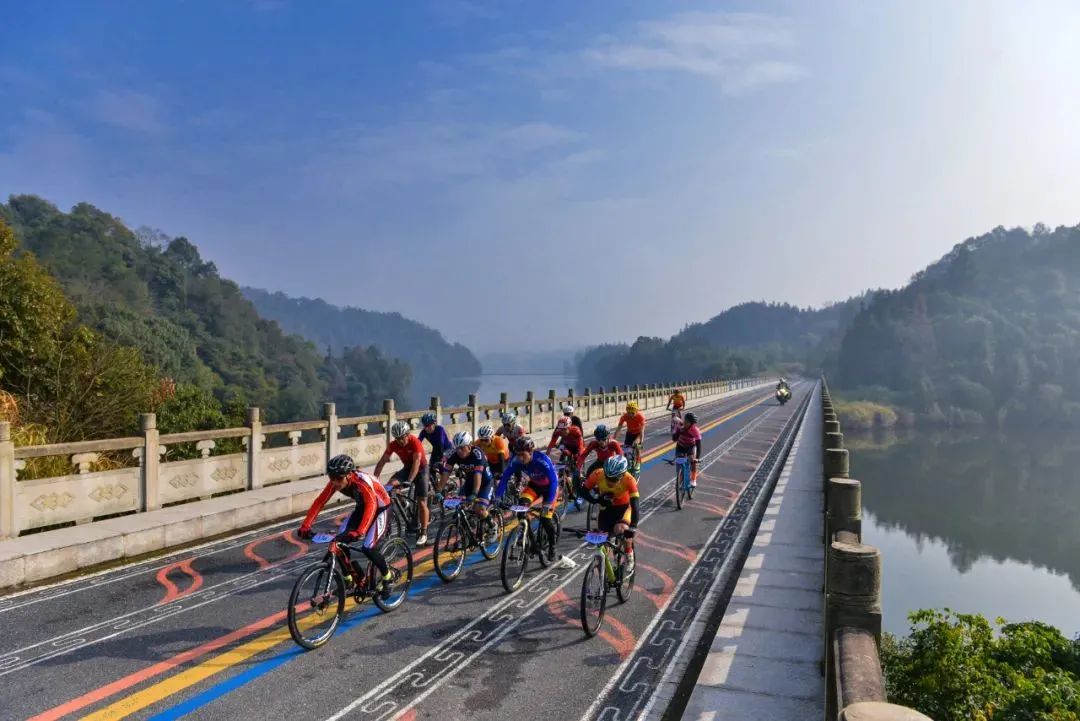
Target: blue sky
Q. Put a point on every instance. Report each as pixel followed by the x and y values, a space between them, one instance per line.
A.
pixel 598 170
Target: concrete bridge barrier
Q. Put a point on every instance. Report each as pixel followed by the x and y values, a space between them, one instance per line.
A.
pixel 855 687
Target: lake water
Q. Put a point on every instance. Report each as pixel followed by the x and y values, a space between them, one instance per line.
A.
pixel 455 391
pixel 977 522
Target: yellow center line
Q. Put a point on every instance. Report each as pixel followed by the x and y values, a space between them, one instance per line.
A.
pixel 185 679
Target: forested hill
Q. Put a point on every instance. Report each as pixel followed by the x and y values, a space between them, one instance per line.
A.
pixel 158 295
pixel 989 333
pixel 756 324
pixel 425 350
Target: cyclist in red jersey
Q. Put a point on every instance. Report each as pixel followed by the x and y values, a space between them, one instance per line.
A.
pixel 688 443
pixel 368 520
pixel 410 450
pixel 605 447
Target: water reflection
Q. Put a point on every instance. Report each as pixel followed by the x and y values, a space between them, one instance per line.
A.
pixel 998 507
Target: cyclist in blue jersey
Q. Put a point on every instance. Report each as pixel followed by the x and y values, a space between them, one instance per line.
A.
pixel 434 434
pixel 478 482
pixel 543 484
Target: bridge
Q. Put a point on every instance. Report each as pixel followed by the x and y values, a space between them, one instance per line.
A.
pixel 148 577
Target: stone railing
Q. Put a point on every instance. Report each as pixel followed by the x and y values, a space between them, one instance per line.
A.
pixel 91 480
pixel 854 685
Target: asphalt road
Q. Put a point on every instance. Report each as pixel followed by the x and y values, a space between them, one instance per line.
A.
pixel 200 634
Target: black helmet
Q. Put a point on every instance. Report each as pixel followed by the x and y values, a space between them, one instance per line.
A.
pixel 524 445
pixel 340 466
pixel 690 418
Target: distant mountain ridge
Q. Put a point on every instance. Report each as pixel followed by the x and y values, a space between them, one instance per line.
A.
pixel 425 349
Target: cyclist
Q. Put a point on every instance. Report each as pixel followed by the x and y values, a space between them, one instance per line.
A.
pixel 408 448
pixel 477 486
pixel 368 520
pixel 543 482
pixel 634 420
pixel 568 412
pixel 570 442
pixel 676 403
pixel 434 434
pixel 605 447
pixel 615 489
pixel 688 443
pixel 494 447
pixel 510 429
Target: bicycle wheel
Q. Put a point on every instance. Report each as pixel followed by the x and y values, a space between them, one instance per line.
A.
pixel 515 557
pixel 689 487
pixel 399 559
pixel 548 542
pixel 491 531
pixel 562 504
pixel 590 518
pixel 624 582
pixel 449 553
pixel 593 596
pixel 316 605
pixel 678 486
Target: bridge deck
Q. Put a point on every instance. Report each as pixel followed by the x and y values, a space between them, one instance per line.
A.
pixel 764 662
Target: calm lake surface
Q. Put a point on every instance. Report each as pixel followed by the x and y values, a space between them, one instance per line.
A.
pixel 978 522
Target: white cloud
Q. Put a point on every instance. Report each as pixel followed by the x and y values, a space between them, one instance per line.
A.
pixel 129 110
pixel 740 51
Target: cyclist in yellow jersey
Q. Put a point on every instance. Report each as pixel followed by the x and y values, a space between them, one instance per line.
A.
pixel 617 493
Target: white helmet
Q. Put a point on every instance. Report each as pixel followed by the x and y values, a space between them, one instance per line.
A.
pixel 508 418
pixel 485 433
pixel 567 409
pixel 462 439
pixel 400 429
pixel 563 423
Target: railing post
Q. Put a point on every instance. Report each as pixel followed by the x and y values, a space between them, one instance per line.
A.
pixel 843 507
pixel 391 416
pixel 852 600
pixel 554 411
pixel 530 401
pixel 151 461
pixel 474 413
pixel 436 408
pixel 504 402
pixel 330 416
pixel 603 403
pixel 7 481
pixel 254 448
pixel 836 463
pixel 588 404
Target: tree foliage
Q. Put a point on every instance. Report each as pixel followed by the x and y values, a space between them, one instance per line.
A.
pixel 960 666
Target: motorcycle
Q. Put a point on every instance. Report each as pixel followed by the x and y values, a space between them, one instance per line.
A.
pixel 783 395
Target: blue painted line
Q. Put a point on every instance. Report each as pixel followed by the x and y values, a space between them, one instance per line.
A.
pixel 263 667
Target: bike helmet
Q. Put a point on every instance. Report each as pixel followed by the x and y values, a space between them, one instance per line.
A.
pixel 400 429
pixel 690 418
pixel 508 418
pixel 601 433
pixel 524 445
pixel 568 409
pixel 339 466
pixel 632 407
pixel 485 433
pixel 563 423
pixel 615 467
pixel 428 419
pixel 462 439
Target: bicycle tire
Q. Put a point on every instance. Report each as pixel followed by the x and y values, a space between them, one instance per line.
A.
pixel 515 558
pixel 399 558
pixel 494 520
pixel 295 619
pixel 689 488
pixel 679 473
pixel 590 518
pixel 447 565
pixel 593 594
pixel 546 542
pixel 624 584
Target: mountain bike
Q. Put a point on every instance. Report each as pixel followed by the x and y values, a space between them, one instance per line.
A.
pixel 317 601
pixel 524 540
pixel 682 479
pixel 462 530
pixel 566 469
pixel 606 571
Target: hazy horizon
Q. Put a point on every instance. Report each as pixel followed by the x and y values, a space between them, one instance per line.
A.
pixel 463 158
